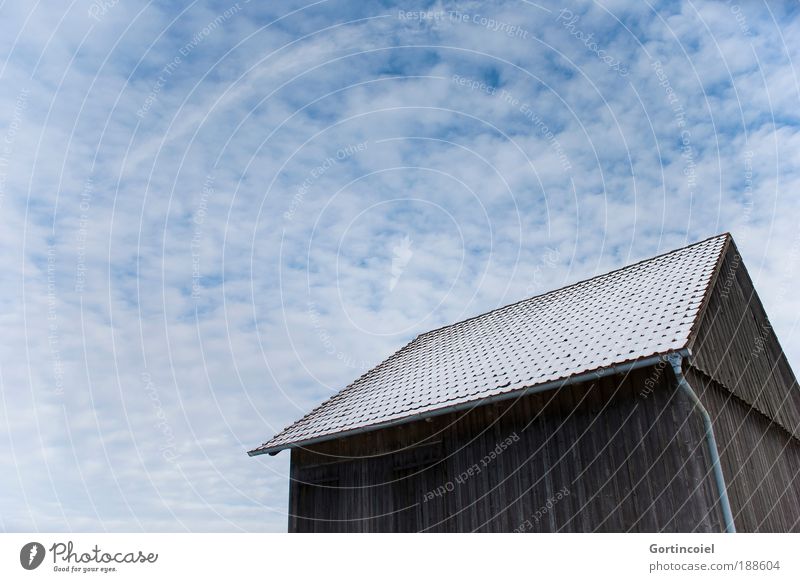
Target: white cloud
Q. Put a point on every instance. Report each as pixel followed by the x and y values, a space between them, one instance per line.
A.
pixel 129 403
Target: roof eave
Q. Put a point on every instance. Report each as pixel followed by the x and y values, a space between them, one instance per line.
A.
pixel 543 387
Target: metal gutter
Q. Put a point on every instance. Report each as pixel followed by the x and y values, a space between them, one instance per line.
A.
pixel 554 384
pixel 676 360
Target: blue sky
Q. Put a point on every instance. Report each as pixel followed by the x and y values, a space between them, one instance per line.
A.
pixel 215 215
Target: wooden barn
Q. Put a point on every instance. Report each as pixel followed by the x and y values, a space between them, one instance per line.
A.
pixel 652 398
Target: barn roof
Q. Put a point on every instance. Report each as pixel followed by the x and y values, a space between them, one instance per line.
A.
pixel 647 309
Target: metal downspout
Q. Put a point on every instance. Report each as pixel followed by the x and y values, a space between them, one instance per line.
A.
pixel 676 361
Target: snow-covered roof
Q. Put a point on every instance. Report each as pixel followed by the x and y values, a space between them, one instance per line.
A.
pixel 643 310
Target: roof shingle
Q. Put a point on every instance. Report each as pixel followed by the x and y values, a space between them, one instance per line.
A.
pixel 642 310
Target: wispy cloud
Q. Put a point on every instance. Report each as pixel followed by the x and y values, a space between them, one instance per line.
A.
pixel 213 217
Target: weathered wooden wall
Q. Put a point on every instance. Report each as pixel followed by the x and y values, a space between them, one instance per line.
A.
pixel 736 346
pixel 760 460
pixel 629 452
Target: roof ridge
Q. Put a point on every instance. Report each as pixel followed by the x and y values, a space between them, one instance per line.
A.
pixel 575 284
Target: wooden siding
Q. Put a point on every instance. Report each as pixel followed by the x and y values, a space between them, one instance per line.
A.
pixel 760 461
pixel 736 346
pixel 622 454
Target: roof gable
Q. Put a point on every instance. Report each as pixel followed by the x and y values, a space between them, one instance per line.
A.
pixel 643 310
pixel 736 346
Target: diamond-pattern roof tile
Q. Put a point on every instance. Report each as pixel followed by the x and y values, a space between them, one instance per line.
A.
pixel 642 310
